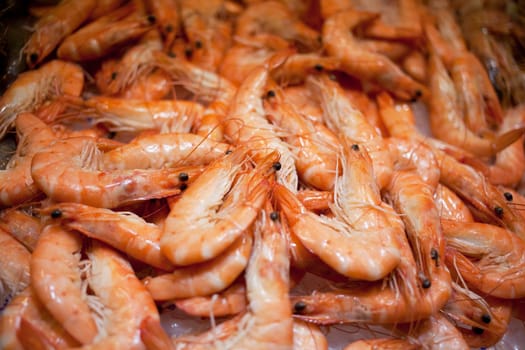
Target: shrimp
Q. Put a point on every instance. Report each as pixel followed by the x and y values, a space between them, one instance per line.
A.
pixel 200 228
pixel 308 336
pixel 34 87
pixel 105 6
pixel 167 17
pixel 247 124
pixel 68 171
pixel 241 59
pixel 206 278
pixel 274 17
pixel 485 200
pixel 125 302
pixel 446 118
pixel 482 320
pixel 124 231
pixel 316 162
pixel 298 66
pixel 164 150
pixel 436 333
pixel 368 107
pixel 210 125
pixel 450 206
pixel 305 101
pixel 54 26
pixel 343 119
pixel 24 227
pixel 338 41
pixel 361 218
pixel 231 301
pixel 103 35
pixel 135 115
pixel 57 281
pixel 382 343
pixel 16 184
pixel 15 273
pixel 414 63
pixel 397 117
pixel 496 255
pixel 268 322
pixel 10 317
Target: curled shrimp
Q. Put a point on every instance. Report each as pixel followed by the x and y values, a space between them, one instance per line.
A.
pixel 53 27
pixel 16 184
pixel 498 255
pixel 34 87
pixel 206 278
pixel 15 272
pixel 103 35
pixel 357 61
pixel 68 171
pixel 124 231
pixel 57 281
pixel 24 227
pixel 165 150
pixel 199 228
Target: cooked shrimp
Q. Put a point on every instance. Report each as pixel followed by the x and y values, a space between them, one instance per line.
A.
pixel 247 124
pixel 274 17
pixel 446 117
pixel 241 59
pixel 167 18
pixel 315 161
pixel 14 275
pixel 54 26
pixel 16 184
pixel 231 301
pixel 199 228
pixel 103 35
pixel 23 227
pixel 206 278
pixel 450 206
pixel 67 171
pixel 34 87
pixel 268 323
pixel 343 119
pixel 414 63
pixel 124 231
pixel 298 66
pixel 211 125
pixel 57 281
pixel 382 343
pixel 495 256
pixel 315 200
pixel 125 302
pixel 443 18
pixel 164 150
pixel 359 62
pixel 397 117
pixel 308 336
pixel 361 218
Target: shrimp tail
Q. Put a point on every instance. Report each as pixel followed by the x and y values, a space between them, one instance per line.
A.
pixel 506 139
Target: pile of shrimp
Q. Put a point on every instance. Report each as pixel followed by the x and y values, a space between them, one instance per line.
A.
pixel 210 156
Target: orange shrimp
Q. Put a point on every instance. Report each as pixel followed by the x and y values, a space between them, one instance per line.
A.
pixel 24 227
pixel 304 101
pixel 298 66
pixel 211 125
pixel 16 184
pixel 159 151
pixel 34 87
pixel 15 274
pixel 357 61
pixel 167 18
pixel 241 59
pixel 495 255
pixel 199 230
pixel 57 281
pixel 368 107
pixel 103 35
pixel 54 26
pixel 68 171
pixel 344 119
pixel 450 206
pixel 124 231
pixel 276 18
pixel 414 63
pixel 206 278
pixel 105 6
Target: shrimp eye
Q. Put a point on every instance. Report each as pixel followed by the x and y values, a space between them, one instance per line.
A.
pixel 55 214
pixel 276 166
pixel 188 52
pixel 434 255
pixel 498 211
pixel 318 67
pixel 183 187
pixel 198 44
pixel 169 28
pixel 426 283
pixel 486 318
pixel 229 151
pixel 33 57
pixel 114 75
pixel 355 147
pixel 508 196
pixel 111 135
pixel 478 330
pixel 270 94
pixel 299 307
pixel 274 215
pixel 184 176
pixel 172 54
pixel 151 19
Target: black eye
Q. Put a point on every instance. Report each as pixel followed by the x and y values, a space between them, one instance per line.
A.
pixel 55 214
pixel 478 330
pixel 151 19
pixel 274 215
pixel 114 75
pixel 184 177
pixel 486 318
pixel 318 67
pixel 498 211
pixel 299 307
pixel 426 283
pixel 198 44
pixel 276 166
pixel 508 196
pixel 270 94
pixel 183 187
pixel 355 147
pixel 33 57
